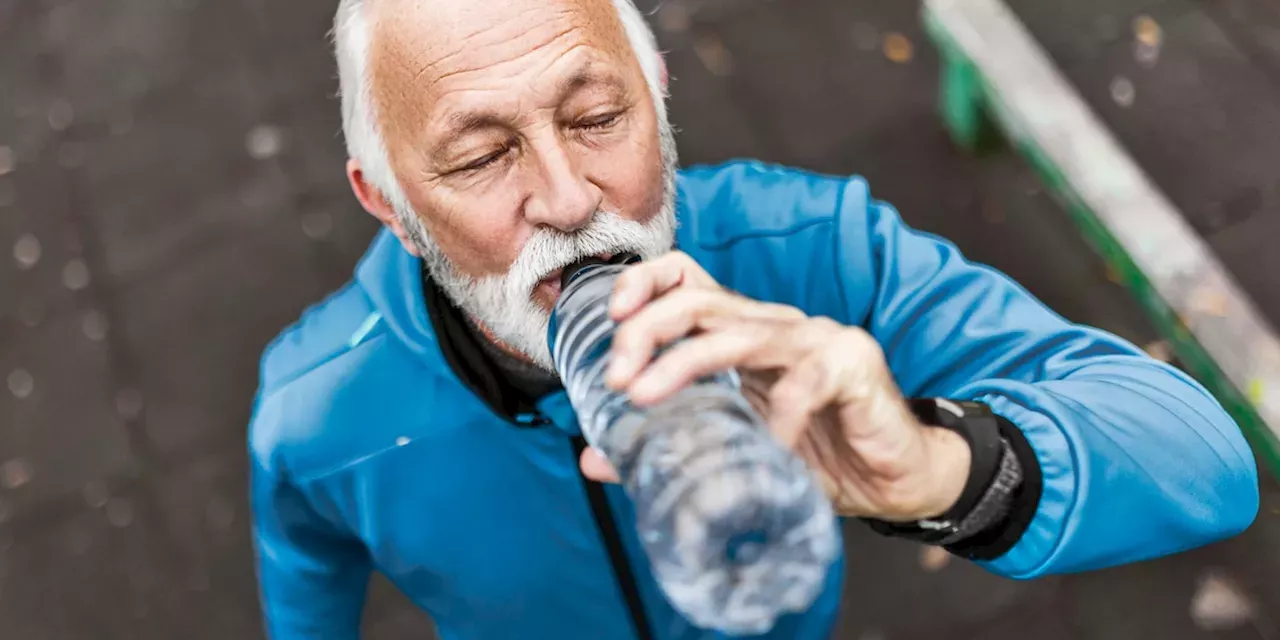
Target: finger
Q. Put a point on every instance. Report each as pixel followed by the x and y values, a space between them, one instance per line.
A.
pixel 596 467
pixel 750 343
pixel 805 388
pixel 675 316
pixel 665 320
pixel 645 281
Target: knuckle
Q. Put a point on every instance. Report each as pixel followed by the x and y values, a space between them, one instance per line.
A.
pixel 774 310
pixel 857 339
pixel 684 260
pixel 691 268
pixel 672 261
pixel 791 313
pixel 825 325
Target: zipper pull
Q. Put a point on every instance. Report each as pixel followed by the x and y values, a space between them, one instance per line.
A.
pixel 532 420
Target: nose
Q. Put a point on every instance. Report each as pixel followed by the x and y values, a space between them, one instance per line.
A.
pixel 563 197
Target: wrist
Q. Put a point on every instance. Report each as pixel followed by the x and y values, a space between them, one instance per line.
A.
pixel 948 458
pixel 959 469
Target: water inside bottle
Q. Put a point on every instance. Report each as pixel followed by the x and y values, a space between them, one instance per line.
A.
pixel 735 528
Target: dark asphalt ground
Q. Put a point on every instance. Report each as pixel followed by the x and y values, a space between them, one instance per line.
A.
pixel 1200 111
pixel 171 195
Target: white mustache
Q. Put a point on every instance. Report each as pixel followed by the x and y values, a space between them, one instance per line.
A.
pixel 549 250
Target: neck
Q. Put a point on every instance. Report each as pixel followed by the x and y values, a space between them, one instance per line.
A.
pixel 519 370
pixel 497 344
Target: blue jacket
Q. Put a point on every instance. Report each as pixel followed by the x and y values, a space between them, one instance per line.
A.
pixel 368 452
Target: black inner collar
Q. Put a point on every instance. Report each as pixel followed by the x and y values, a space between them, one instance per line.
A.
pixel 470 360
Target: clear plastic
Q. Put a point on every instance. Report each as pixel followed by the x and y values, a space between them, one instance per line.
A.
pixel 736 529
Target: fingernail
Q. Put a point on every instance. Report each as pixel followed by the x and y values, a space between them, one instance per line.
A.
pixel 620 302
pixel 598 455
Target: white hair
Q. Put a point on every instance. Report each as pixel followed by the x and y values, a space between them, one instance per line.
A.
pixel 351 35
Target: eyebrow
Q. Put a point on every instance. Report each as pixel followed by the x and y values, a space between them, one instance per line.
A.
pixel 462 123
pixel 586 77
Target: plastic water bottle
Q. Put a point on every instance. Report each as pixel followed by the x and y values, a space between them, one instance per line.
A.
pixel 736 529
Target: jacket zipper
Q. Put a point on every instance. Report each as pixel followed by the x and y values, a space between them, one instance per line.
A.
pixel 608 528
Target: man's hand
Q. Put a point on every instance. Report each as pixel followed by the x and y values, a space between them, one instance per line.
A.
pixel 824 388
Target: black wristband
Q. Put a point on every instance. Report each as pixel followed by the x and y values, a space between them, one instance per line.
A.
pixel 999 538
pixel 976 423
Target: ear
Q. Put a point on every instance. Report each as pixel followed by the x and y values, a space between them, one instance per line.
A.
pixel 662 72
pixel 376 204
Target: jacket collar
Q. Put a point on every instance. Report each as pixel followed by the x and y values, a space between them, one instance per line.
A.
pixel 421 317
pixel 392 279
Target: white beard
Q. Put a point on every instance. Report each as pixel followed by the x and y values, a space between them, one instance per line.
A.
pixel 504 305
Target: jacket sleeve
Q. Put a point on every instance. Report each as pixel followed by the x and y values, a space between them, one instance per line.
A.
pixel 1136 459
pixel 313 576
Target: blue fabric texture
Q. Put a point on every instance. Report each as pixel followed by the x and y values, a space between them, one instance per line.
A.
pixel 367 453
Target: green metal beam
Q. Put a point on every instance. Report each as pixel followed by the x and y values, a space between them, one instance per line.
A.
pixel 997 84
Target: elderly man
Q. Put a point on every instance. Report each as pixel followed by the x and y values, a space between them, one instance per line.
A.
pixel 411 423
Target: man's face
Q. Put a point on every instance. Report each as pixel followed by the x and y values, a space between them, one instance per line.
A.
pixel 525 137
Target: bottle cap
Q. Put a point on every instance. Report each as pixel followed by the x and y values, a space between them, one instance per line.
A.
pixel 572 271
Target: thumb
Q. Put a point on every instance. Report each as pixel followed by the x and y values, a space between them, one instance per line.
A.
pixel 596 467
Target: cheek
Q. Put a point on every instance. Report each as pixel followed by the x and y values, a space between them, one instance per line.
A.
pixel 632 178
pixel 479 231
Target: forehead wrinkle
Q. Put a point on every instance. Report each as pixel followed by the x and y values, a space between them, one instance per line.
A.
pixel 400 42
pixel 585 74
pixel 403 27
pixel 482 67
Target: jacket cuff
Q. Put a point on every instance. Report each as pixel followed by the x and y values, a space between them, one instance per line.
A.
pixel 1035 524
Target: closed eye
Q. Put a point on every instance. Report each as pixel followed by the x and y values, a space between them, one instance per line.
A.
pixel 602 122
pixel 485 161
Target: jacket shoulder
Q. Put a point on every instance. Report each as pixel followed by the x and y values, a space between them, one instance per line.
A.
pixel 780 234
pixel 303 374
pixel 323 332
pixel 724 203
